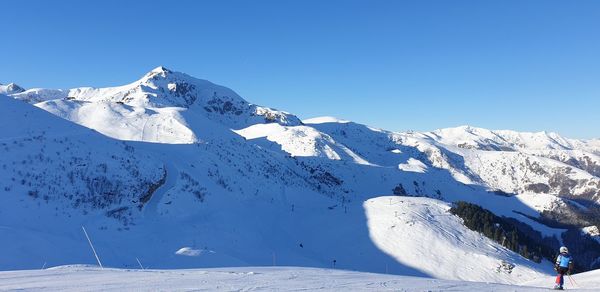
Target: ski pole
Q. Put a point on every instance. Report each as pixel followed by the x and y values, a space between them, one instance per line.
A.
pixel 572 280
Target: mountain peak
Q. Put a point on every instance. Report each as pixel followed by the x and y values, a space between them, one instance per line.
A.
pixel 158 71
pixel 161 69
pixel 11 88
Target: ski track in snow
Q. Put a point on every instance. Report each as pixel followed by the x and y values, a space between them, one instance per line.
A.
pixel 143 137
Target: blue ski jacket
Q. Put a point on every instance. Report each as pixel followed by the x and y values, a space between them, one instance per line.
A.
pixel 564 260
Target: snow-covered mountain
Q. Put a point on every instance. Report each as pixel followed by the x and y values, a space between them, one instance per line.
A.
pixel 207 179
pixel 10 88
pixel 163 106
pixel 536 163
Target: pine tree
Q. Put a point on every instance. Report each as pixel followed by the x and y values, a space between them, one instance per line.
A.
pixel 498 234
pixel 524 251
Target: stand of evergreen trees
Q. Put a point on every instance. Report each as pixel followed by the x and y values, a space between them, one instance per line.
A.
pixel 585 250
pixel 528 243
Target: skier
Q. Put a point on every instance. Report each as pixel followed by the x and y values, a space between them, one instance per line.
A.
pixel 563 264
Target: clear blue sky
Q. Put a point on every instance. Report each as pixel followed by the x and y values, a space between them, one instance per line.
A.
pixel 397 65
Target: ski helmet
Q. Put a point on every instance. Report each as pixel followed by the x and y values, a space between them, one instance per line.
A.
pixel 564 249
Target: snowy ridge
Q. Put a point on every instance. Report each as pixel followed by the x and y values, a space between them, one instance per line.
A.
pixel 521 162
pixel 302 141
pixel 479 138
pixel 322 120
pixel 157 105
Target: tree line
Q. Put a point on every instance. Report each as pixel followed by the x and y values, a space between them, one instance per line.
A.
pixel 506 232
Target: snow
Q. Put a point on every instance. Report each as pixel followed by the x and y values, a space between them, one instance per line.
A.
pixel 155 108
pixel 35 95
pixel 538 202
pixel 88 278
pixel 323 120
pixel 476 137
pixel 592 231
pixel 582 281
pixel 260 130
pixel 420 232
pixel 302 141
pixel 26 121
pixel 412 165
pixel 188 251
pixel 297 141
pixel 126 122
pixel 51 162
pixel 10 88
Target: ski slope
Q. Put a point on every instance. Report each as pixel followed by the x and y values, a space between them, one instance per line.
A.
pixel 420 232
pixel 88 278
